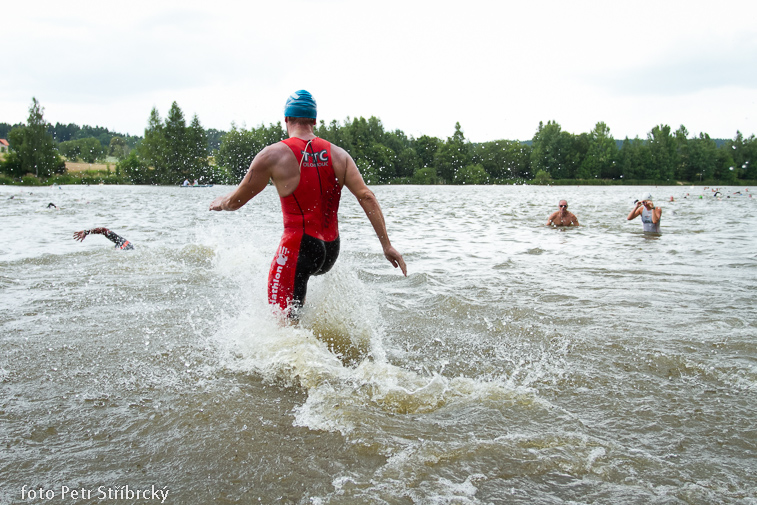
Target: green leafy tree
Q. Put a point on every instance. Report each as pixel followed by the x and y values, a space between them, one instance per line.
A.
pixel 407 162
pixel 491 157
pixel 664 154
pixel 397 141
pixel 542 177
pixel 426 148
pixel 360 134
pixel 504 159
pixel 551 151
pixel 635 160
pixel 425 175
pixel 601 156
pixel 134 170
pixel 102 134
pixel 237 151
pixel 369 172
pixel 69 149
pixel 5 129
pixel 381 159
pixel 88 150
pixel 118 148
pixel 272 133
pixel 91 150
pixel 63 133
pixel 33 149
pixel 453 155
pixel 743 153
pixel 214 139
pixel 178 159
pixel 472 174
pixel 700 159
pixel 683 168
pixel 727 170
pixel 518 159
pixel 152 149
pixel 174 150
pixel 336 134
pixel 197 151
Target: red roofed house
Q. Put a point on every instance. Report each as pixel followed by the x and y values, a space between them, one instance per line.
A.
pixel 4 146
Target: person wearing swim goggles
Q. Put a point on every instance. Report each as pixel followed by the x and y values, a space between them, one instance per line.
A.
pixel 562 217
pixel 650 214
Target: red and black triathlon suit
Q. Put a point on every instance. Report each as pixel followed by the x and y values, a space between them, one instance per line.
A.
pixel 310 243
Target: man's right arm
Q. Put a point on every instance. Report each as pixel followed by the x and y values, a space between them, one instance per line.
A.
pixel 254 181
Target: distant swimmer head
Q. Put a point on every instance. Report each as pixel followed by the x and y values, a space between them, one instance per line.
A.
pixel 300 104
pixel 645 196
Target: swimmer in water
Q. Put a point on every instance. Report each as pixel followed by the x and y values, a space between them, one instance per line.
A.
pixel 562 217
pixel 121 243
pixel 650 215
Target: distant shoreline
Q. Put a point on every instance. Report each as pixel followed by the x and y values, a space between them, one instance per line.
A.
pixel 105 173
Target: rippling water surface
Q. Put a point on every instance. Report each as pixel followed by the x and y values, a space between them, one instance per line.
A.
pixel 515 364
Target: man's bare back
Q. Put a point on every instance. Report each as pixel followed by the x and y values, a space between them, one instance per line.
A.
pixel 278 162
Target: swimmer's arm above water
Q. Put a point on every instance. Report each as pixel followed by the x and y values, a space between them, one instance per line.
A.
pixel 113 237
pixel 81 235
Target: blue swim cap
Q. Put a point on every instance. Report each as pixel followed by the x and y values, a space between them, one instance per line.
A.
pixel 300 104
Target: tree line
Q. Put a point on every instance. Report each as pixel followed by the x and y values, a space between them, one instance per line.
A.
pixel 173 149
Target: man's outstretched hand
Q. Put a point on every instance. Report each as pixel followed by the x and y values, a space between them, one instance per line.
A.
pixel 395 258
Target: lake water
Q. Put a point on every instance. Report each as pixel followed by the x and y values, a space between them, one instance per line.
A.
pixel 515 364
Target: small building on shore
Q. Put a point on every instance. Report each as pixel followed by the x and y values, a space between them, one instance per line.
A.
pixel 4 146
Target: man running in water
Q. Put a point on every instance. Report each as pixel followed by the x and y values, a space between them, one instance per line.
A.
pixel 121 243
pixel 308 173
pixel 650 215
pixel 562 217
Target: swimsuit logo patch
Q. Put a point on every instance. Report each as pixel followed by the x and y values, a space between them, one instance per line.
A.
pixel 319 156
pixel 281 259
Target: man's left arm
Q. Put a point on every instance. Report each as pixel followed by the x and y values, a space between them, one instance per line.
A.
pixel 368 201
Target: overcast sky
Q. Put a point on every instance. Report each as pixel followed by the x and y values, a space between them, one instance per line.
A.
pixel 497 67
